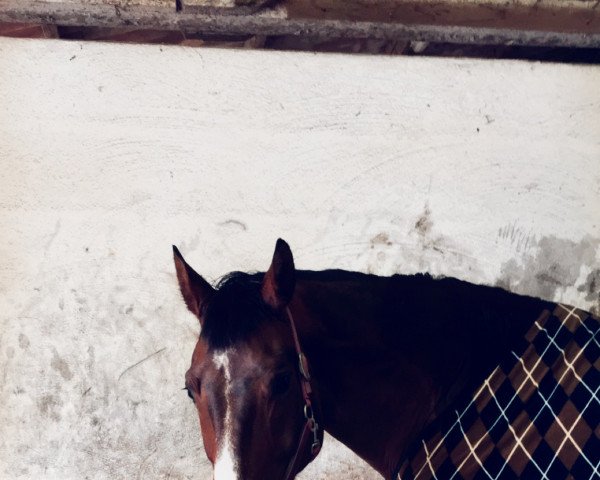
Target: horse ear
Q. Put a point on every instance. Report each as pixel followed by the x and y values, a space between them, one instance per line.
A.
pixel 194 288
pixel 280 280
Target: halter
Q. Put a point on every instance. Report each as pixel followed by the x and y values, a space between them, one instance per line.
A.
pixel 311 427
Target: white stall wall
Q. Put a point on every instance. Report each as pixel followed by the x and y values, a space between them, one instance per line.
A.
pixel 487 171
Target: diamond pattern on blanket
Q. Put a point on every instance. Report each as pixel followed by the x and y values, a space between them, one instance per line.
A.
pixel 537 416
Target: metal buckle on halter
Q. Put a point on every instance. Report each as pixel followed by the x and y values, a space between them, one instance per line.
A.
pixel 316 445
pixel 303 363
pixel 313 427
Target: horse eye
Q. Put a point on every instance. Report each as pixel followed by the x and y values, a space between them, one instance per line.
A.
pixel 281 383
pixel 189 393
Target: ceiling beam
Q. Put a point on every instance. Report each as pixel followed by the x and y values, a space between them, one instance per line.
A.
pixel 289 19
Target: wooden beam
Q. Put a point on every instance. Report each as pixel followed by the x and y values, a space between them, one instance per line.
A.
pixel 292 18
pixel 581 16
pixel 236 7
pixel 28 30
pixel 158 4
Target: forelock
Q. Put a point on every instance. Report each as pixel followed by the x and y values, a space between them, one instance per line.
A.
pixel 235 310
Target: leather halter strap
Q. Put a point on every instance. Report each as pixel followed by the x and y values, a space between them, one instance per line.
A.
pixel 311 427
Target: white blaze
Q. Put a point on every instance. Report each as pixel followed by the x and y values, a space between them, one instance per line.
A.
pixel 226 466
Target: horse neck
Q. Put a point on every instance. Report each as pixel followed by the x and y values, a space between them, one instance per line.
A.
pixel 390 354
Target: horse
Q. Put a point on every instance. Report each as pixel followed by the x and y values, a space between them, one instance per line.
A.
pixel 285 355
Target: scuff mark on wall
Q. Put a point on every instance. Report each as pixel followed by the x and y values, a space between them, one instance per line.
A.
pixel 553 265
pixel 518 238
pixel 131 367
pixel 234 224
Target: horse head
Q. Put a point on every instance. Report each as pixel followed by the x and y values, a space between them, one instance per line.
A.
pixel 244 379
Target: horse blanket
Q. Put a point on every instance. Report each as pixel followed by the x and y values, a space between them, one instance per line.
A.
pixel 537 416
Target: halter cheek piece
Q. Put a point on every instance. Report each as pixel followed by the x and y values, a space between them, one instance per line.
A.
pixel 311 427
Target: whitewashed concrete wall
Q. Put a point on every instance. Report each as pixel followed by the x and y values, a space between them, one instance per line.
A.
pixel 488 171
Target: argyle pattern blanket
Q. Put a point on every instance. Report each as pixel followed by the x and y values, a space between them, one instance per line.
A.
pixel 537 416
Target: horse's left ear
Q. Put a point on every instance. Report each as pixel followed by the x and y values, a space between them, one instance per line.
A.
pixel 280 280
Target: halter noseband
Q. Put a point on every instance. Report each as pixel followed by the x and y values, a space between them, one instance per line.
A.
pixel 311 427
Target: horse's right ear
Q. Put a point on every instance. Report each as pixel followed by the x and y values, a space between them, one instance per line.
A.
pixel 194 288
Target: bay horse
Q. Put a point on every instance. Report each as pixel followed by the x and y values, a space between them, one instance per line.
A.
pixel 288 354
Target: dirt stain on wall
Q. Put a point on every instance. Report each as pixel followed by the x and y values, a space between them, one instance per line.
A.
pixel 49 405
pixel 424 229
pixel 24 341
pixel 592 288
pixel 61 366
pixel 424 223
pixel 381 239
pixel 554 264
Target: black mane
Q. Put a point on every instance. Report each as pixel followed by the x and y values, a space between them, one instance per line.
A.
pixel 235 310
